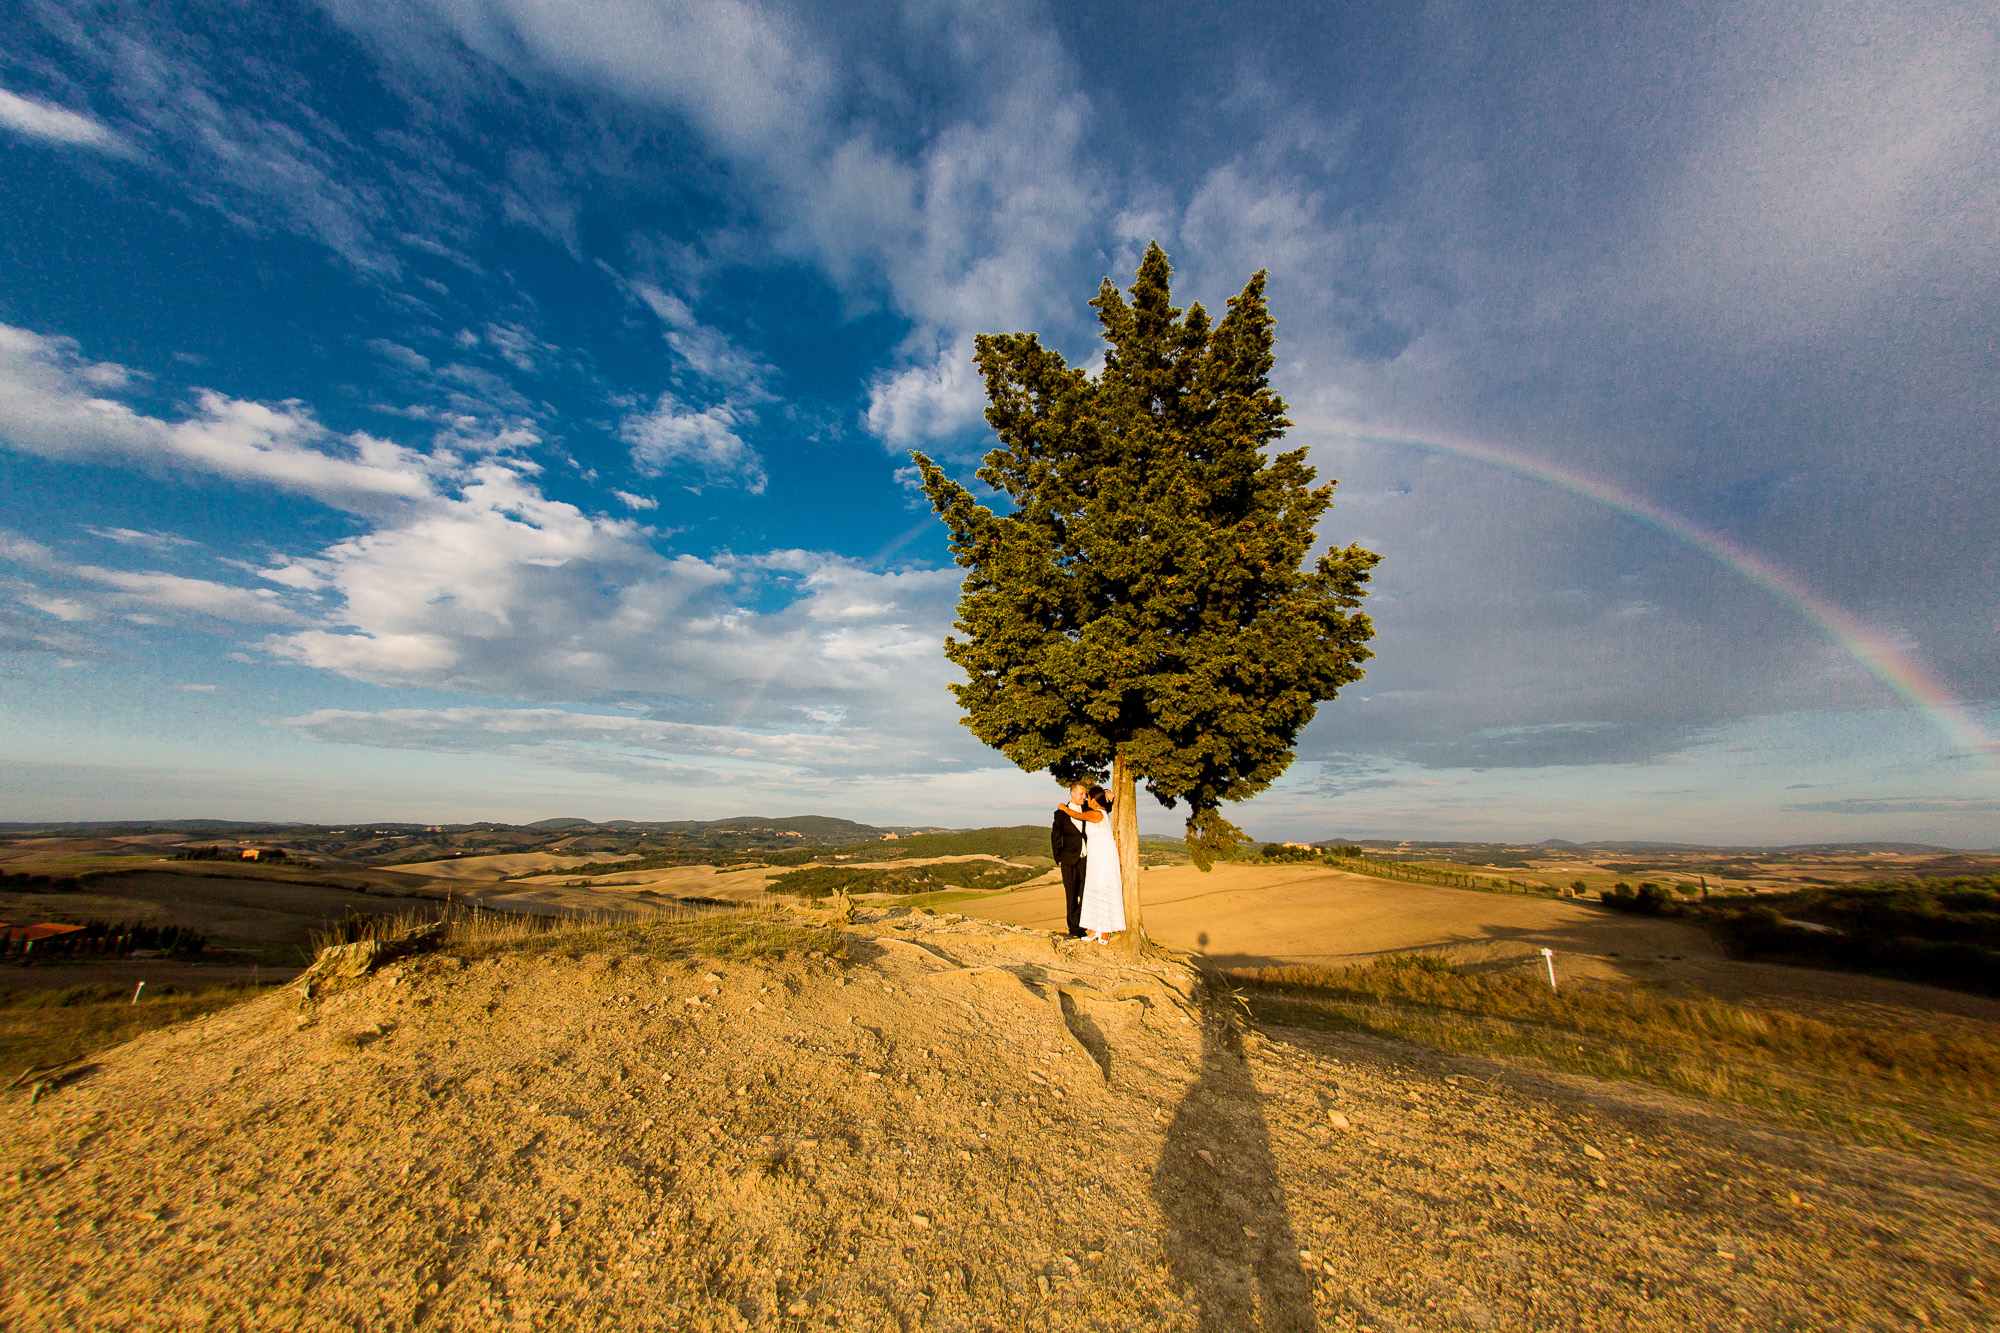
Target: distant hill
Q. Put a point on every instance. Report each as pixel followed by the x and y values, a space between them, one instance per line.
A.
pixel 150 825
pixel 827 830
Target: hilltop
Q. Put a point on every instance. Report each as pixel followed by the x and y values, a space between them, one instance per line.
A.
pixel 907 1120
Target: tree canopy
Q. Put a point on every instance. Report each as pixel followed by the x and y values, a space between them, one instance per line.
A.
pixel 1148 597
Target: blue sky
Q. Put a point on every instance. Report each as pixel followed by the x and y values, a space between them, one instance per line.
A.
pixel 499 409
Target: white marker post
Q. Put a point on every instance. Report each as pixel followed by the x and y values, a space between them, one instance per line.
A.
pixel 1549 957
pixel 135 992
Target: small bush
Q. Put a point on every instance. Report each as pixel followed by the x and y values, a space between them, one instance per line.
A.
pixel 1647 900
pixel 1414 962
pixel 1277 853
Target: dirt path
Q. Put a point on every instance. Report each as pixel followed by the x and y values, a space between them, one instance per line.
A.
pixel 962 1126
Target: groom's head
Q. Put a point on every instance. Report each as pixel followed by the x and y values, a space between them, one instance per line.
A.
pixel 1077 794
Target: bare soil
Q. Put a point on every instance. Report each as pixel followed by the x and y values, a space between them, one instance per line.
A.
pixel 1266 916
pixel 1260 916
pixel 962 1125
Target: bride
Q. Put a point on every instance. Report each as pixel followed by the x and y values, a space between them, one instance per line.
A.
pixel 1103 886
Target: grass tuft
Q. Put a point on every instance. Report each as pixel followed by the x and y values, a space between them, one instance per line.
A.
pixel 743 934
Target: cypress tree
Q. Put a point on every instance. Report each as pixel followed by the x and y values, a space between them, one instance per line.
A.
pixel 1146 608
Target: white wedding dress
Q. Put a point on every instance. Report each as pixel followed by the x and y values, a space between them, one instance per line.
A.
pixel 1103 885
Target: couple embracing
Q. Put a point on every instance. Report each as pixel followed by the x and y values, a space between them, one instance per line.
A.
pixel 1080 840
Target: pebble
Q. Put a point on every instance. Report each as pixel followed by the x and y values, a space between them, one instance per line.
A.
pixel 1338 1121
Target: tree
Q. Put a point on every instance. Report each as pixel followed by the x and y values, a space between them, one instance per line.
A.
pixel 1146 607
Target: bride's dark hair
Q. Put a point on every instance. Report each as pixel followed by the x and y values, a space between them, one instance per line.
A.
pixel 1099 795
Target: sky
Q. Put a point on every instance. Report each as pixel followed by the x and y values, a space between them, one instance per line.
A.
pixel 501 409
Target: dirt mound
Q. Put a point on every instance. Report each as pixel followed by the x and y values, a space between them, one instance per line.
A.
pixel 955 1125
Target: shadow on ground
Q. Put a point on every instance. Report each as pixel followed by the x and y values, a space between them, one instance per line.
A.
pixel 1228 1237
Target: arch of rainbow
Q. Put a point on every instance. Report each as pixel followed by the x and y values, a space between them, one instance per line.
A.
pixel 1889 662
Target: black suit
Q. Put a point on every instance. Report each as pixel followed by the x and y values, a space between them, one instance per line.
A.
pixel 1067 846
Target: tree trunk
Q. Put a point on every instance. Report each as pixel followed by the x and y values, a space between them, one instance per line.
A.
pixel 1125 833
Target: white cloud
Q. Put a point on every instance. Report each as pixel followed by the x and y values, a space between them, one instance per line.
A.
pixel 477 729
pixel 51 404
pixel 62 608
pixel 279 165
pixel 631 501
pixel 148 541
pixel 927 401
pixel 705 444
pixel 710 354
pixel 52 124
pixel 518 347
pixel 468 576
pixel 144 593
pixel 670 308
pixel 988 223
pixel 1902 805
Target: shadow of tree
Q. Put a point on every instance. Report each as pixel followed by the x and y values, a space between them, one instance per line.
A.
pixel 1229 1240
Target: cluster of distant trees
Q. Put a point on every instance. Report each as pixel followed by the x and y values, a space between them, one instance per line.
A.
pixel 25 883
pixel 228 853
pixel 1279 853
pixel 1647 900
pixel 1943 932
pixel 104 939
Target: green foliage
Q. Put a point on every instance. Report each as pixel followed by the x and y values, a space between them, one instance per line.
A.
pixel 1148 592
pixel 823 881
pixel 1942 932
pixel 1211 838
pixel 1277 853
pixel 1015 840
pixel 1963 910
pixel 1648 900
pixel 105 939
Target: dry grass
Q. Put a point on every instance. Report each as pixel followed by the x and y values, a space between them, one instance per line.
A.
pixel 684 932
pixel 1927 1083
pixel 41 1029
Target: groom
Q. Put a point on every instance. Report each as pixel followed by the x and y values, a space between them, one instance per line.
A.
pixel 1067 846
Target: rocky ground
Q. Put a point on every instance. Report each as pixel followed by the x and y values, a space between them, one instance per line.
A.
pixel 960 1125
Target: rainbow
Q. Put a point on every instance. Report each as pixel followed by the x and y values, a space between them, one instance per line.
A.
pixel 1887 660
